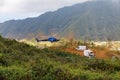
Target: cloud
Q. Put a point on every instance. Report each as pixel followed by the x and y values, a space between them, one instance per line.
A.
pixel 1 3
pixel 116 1
pixel 22 8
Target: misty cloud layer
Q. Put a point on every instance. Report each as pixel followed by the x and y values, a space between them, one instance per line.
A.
pixel 1 3
pixel 15 9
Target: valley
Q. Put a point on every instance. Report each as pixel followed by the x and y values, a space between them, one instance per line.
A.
pixel 102 50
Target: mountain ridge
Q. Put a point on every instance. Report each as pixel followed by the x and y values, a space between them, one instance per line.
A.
pixel 92 20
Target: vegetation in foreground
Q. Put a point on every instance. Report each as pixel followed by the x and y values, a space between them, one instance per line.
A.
pixel 19 61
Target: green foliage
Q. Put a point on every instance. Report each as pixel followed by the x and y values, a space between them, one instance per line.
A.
pixel 104 65
pixel 12 73
pixel 19 61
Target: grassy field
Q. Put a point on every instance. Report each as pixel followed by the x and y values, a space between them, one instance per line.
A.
pixel 19 61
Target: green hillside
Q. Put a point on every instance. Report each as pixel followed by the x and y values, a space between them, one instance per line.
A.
pixel 19 61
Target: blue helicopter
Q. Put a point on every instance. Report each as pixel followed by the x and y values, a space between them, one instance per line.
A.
pixel 51 39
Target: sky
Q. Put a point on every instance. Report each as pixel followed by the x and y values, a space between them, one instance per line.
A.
pixel 21 9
